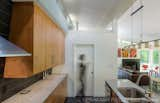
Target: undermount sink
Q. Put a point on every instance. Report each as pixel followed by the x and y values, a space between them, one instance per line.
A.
pixel 133 95
pixel 131 92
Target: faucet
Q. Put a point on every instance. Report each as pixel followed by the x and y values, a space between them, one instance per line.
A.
pixel 141 77
pixel 139 82
pixel 147 93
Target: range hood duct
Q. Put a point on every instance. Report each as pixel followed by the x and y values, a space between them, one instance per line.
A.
pixel 8 49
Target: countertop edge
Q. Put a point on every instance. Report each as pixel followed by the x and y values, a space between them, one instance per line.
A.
pixel 127 83
pixel 122 98
pixel 40 90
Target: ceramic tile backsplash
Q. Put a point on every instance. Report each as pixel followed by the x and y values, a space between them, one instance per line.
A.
pixel 9 87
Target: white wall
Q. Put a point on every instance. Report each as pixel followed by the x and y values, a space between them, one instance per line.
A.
pixel 105 57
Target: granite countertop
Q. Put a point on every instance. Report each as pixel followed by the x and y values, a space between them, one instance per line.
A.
pixel 115 84
pixel 39 91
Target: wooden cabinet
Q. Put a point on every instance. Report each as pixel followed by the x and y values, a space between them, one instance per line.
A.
pixel 39 40
pixel 115 98
pixel 111 95
pixel 32 30
pixel 59 94
pixel 51 44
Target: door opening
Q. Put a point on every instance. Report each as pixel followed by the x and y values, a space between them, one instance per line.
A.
pixel 84 70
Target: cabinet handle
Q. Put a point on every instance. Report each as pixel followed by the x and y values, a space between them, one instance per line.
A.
pixel 137 10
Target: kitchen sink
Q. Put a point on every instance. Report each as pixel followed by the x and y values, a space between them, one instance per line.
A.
pixel 129 92
pixel 133 95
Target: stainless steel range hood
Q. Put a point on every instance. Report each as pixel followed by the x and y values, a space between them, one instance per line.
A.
pixel 8 49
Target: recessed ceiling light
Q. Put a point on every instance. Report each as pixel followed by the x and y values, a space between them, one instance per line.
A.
pixel 73 17
pixel 68 0
pixel 127 42
pixel 109 27
pixel 83 28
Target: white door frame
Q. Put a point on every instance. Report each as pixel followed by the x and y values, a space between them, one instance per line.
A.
pixel 74 64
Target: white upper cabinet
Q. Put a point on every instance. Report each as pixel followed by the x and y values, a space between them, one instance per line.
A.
pixel 124 26
pixel 151 18
pixel 129 26
pixel 137 26
pixel 136 16
pixel 145 20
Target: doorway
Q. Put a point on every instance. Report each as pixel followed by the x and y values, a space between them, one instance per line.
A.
pixel 89 52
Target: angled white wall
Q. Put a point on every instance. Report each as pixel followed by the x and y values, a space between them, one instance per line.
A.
pixel 54 11
pixel 105 57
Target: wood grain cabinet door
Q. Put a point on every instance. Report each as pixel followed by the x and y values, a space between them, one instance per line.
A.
pixel 49 44
pixel 39 39
pixel 61 47
pixel 34 31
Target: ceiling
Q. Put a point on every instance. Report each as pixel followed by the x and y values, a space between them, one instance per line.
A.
pixel 95 14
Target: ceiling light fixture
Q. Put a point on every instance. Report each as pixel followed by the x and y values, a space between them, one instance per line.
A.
pixel 83 28
pixel 73 17
pixel 68 1
pixel 109 27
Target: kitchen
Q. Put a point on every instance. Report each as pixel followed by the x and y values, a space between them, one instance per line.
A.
pixel 44 45
pixel 138 55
